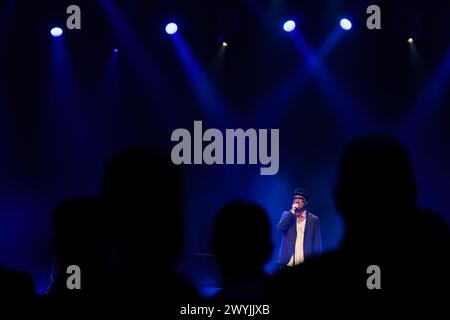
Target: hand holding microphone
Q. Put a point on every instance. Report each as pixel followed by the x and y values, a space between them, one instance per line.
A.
pixel 294 208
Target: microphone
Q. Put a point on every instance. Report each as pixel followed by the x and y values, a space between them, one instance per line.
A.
pixel 298 215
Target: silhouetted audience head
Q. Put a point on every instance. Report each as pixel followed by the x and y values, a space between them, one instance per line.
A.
pixel 81 237
pixel 81 231
pixel 242 238
pixel 375 177
pixel 143 193
pixel 16 289
pixel 242 244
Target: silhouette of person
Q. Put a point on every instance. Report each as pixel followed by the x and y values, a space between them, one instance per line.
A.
pixel 376 196
pixel 144 195
pixel 242 245
pixel 16 294
pixel 81 238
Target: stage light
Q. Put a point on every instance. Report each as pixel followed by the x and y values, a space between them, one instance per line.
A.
pixel 116 50
pixel 410 40
pixel 171 28
pixel 289 26
pixel 224 44
pixel 345 24
pixel 56 32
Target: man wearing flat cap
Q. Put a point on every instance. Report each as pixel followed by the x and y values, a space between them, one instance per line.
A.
pixel 300 230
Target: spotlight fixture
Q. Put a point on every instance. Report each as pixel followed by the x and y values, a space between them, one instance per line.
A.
pixel 345 24
pixel 56 32
pixel 289 26
pixel 171 28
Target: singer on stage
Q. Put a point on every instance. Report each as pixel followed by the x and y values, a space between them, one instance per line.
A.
pixel 300 229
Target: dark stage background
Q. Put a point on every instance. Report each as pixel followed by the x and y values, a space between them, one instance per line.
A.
pixel 69 104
